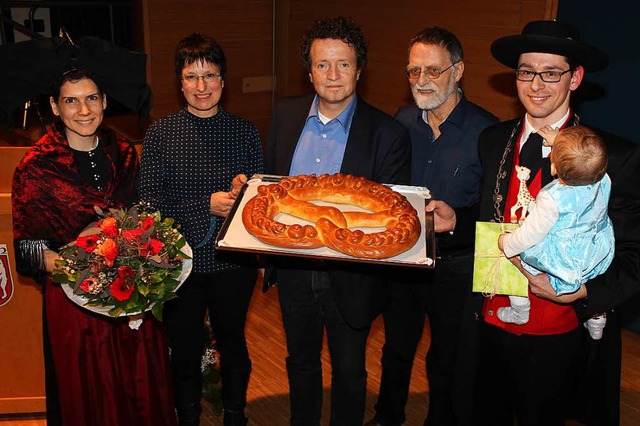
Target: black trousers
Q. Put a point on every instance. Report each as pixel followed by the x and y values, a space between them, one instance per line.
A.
pixel 308 308
pixel 528 378
pixel 597 390
pixel 441 294
pixel 226 295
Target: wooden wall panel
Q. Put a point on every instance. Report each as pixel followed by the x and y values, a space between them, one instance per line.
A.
pixel 244 30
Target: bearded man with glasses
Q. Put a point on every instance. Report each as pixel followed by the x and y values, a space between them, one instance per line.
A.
pixel 444 128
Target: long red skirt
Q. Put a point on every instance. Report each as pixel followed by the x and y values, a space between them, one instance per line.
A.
pixel 107 373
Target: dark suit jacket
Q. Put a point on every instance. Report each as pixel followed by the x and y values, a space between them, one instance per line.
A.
pixel 379 149
pixel 601 385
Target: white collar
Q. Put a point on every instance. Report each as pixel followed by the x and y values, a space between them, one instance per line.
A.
pixel 528 129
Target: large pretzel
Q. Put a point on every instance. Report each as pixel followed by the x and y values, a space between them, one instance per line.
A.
pixel 292 195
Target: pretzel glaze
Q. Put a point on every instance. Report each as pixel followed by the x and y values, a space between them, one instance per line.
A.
pixel 293 195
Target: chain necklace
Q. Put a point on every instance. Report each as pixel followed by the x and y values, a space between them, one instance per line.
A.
pixel 502 173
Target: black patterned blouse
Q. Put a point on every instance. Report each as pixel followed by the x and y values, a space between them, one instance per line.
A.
pixel 185 159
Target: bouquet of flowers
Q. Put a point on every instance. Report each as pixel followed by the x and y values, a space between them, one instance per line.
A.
pixel 127 263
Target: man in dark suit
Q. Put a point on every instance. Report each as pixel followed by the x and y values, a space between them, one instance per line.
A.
pixel 529 371
pixel 329 132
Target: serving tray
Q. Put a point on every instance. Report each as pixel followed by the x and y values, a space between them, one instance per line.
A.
pixel 233 235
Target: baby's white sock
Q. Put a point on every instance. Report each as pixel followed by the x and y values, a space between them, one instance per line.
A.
pixel 595 326
pixel 517 313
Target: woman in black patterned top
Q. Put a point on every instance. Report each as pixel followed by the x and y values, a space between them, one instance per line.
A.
pixel 193 164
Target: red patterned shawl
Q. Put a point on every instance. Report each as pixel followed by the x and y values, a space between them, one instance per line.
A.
pixel 51 202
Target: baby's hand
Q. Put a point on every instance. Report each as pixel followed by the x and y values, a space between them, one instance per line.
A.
pixel 549 135
pixel 500 243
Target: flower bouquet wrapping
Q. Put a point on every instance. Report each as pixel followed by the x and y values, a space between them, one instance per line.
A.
pixel 127 263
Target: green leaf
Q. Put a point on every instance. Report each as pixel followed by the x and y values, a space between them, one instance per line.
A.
pixel 60 278
pixel 169 296
pixel 171 283
pixel 156 291
pixel 143 289
pixel 157 311
pixel 60 262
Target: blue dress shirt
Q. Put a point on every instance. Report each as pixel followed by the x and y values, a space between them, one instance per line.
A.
pixel 321 147
pixel 449 165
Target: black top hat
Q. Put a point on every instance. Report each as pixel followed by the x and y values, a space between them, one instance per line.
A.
pixel 548 37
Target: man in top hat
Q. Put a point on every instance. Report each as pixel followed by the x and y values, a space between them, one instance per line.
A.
pixel 530 371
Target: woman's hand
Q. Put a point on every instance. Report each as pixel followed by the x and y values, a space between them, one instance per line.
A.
pixel 221 202
pixel 50 257
pixel 236 184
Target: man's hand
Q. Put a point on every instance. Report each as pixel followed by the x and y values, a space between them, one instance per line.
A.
pixel 444 215
pixel 540 286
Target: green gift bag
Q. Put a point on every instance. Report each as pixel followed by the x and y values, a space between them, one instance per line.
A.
pixel 493 273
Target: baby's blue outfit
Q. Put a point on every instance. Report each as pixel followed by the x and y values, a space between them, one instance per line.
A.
pixel 580 245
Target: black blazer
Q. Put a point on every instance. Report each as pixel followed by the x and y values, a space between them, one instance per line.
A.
pixel 379 149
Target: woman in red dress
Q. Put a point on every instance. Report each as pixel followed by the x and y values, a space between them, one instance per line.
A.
pixel 104 373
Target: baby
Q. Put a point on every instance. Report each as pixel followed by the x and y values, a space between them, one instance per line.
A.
pixel 568 234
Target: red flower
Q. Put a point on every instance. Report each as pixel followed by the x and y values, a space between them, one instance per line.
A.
pixel 132 234
pixel 109 250
pixel 109 226
pixel 156 246
pixel 89 243
pixel 147 223
pixel 151 247
pixel 88 283
pixel 121 289
pixel 125 272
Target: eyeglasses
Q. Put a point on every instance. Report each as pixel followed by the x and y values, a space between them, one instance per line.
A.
pixel 432 73
pixel 546 76
pixel 209 78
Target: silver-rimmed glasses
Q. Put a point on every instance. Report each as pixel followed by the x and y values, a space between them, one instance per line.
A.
pixel 209 78
pixel 432 73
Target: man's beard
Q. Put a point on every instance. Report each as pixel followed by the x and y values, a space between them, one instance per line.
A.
pixel 437 98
